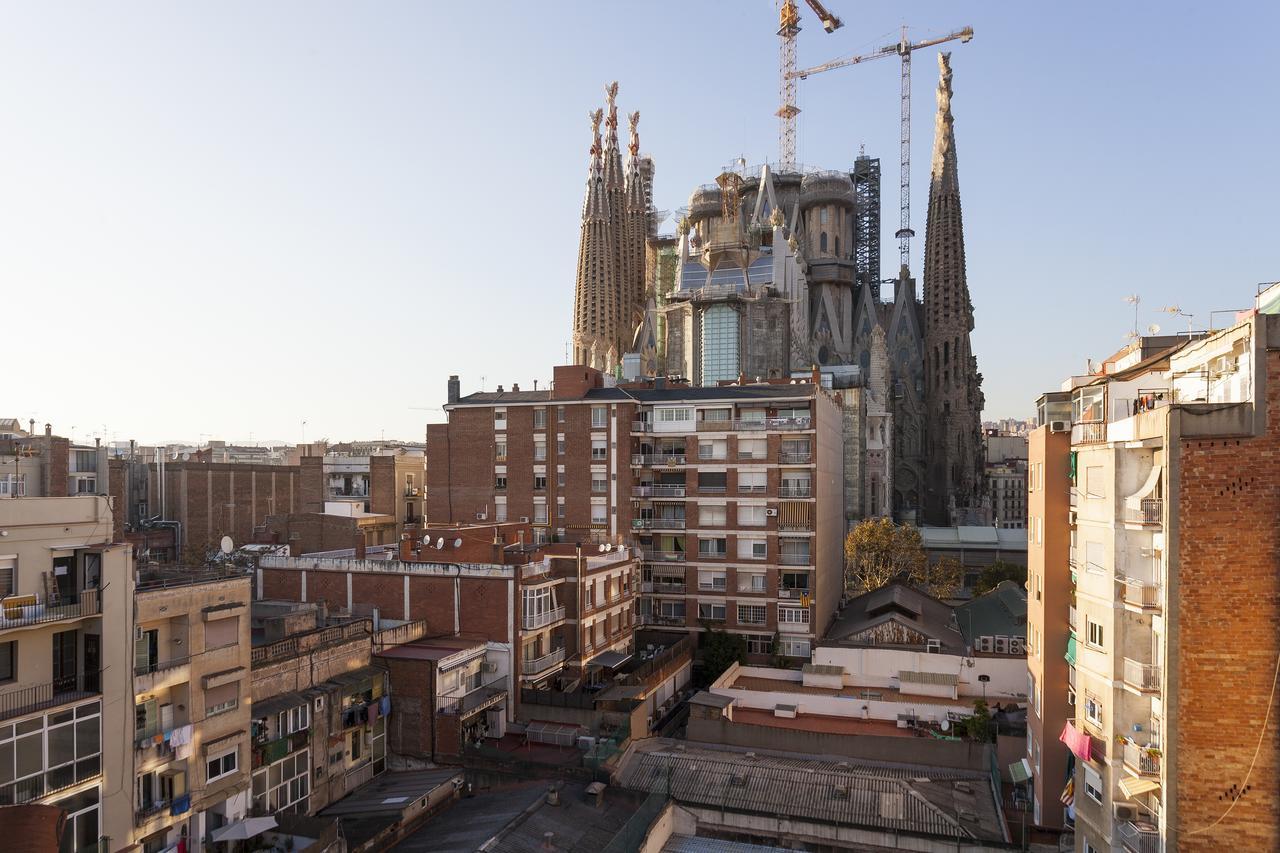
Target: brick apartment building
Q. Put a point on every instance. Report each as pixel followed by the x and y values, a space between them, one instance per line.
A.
pixel 1166 606
pixel 731 495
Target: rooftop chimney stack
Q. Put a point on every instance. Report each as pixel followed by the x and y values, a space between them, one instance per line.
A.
pixel 48 430
pixel 455 390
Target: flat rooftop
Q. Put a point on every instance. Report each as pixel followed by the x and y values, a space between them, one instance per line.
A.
pixel 432 648
pixel 887 694
pixel 819 723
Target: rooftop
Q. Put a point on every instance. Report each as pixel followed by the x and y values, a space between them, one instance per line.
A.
pixel 870 616
pixel 1000 612
pixel 972 536
pixel 373 807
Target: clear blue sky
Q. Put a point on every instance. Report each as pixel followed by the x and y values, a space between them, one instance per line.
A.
pixel 224 219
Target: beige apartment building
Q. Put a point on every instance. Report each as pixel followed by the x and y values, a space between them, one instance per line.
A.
pixel 1174 597
pixel 191 680
pixel 65 606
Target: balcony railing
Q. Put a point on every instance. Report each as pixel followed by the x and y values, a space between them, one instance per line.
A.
pixel 795 491
pixel 1149 511
pixel 792 592
pixel 411 491
pixel 1138 593
pixel 715 426
pixel 661 587
pixel 50 781
pixel 657 491
pixel 25 700
pixel 78 606
pixel 641 426
pixel 795 526
pixel 789 559
pixel 533 621
pixel 658 523
pixel 1144 759
pixel 773 424
pixel 659 619
pixel 1139 837
pixel 1145 677
pixel 462 702
pixel 795 457
pixel 542 664
pixel 712 586
pixel 649 459
pixel 663 556
pixel 160 665
pixel 1089 433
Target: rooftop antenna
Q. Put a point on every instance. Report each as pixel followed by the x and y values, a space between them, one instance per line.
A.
pixel 1135 300
pixel 1178 312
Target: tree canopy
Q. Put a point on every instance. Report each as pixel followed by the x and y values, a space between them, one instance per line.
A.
pixel 877 551
pixel 999 571
pixel 721 651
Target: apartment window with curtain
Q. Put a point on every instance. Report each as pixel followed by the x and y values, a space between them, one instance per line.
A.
pixel 599 416
pixel 751 614
pixel 539 418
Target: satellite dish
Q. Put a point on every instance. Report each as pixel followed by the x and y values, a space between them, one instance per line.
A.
pixel 1153 329
pixel 608 548
pixel 601 548
pixel 946 725
pixel 457 543
pixel 439 543
pixel 186 457
pixel 227 545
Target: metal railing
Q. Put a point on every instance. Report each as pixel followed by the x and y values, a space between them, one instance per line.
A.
pixel 1139 838
pixel 457 703
pixel 166 578
pixel 712 586
pixel 161 665
pixel 774 424
pixel 750 489
pixel 795 526
pixel 710 490
pixel 792 592
pixel 663 556
pixel 1089 433
pixel 1144 759
pixel 1143 676
pixel 86 603
pixel 531 621
pixel 659 619
pixel 657 491
pixel 537 665
pixel 50 781
pixel 795 491
pixel 795 457
pixel 641 426
pixel 1138 593
pixel 1149 511
pixel 789 559
pixel 658 459
pixel 658 523
pixel 24 700
pixel 662 586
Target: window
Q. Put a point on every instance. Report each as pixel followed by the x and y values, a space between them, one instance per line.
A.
pixel 719 344
pixel 8 661
pixel 540 450
pixel 284 785
pixel 501 449
pixel 86 486
pixel 1095 635
pixel 711 612
pixel 500 482
pixel 539 513
pixel 221 632
pixel 599 416
pixel 717 416
pixel 560 447
pixel 711 581
pixel 712 449
pixel 221 764
pixel 712 481
pixel 540 482
pixel 795 580
pixel 599 483
pixel 539 418
pixel 752 448
pixel 13 485
pixel 599 514
pixel 1093 709
pixel 294 720
pixel 8 568
pixel 1095 485
pixel 711 547
pixel 793 648
pixel 559 414
pixel 669 609
pixel 599 448
pixel 751 481
pixel 222 698
pixel 751 516
pixel 751 582
pixel 751 549
pixel 711 516
pixel 751 614
pixel 499 418
pixel 793 615
pixel 500 511
pixel 665 415
pixel 759 645
pixel 1093 784
pixel 560 479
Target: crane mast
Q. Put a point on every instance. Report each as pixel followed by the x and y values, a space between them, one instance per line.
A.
pixel 788 29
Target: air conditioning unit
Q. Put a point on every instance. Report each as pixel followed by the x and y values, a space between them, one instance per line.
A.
pixel 932 646
pixel 770 511
pixel 1126 812
pixel 1015 645
pixel 482 516
pixel 1059 426
pixel 1002 645
pixel 985 644
pixel 489 666
pixel 524 519
pixel 319 704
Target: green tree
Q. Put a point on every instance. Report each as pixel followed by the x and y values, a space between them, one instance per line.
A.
pixel 876 551
pixel 998 572
pixel 978 727
pixel 721 651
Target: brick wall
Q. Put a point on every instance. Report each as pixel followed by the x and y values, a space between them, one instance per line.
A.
pixel 216 500
pixel 311 484
pixel 409 731
pixel 1228 604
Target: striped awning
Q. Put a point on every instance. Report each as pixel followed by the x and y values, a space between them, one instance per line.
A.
pixel 1132 787
pixel 1071 651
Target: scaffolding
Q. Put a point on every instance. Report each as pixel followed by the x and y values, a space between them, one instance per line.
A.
pixel 866 241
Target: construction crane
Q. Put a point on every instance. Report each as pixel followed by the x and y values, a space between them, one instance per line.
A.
pixel 788 28
pixel 902 48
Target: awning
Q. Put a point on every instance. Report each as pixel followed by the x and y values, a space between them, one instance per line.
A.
pixel 241 830
pixel 1071 651
pixel 608 660
pixel 1133 787
pixel 1077 741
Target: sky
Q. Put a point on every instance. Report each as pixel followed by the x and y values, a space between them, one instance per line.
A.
pixel 293 220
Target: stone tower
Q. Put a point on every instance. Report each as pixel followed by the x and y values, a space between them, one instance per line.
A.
pixel 953 386
pixel 616 218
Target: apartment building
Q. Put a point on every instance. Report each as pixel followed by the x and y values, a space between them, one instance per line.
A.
pixel 63 718
pixel 48 465
pixel 1173 570
pixel 732 496
pixel 191 685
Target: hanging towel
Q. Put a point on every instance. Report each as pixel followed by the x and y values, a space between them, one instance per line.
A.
pixel 180 736
pixel 385 705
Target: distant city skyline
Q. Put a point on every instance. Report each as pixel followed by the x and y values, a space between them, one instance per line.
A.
pixel 311 212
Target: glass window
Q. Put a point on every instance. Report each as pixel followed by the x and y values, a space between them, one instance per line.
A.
pixel 8 660
pixel 539 418
pixel 711 516
pixel 599 483
pixel 500 482
pixel 540 451
pixel 599 416
pixel 502 449
pixel 751 614
pixel 599 448
pixel 711 612
pixel 540 482
pixel 221 764
pixel 719 344
pixel 793 615
pixel 560 414
pixel 751 516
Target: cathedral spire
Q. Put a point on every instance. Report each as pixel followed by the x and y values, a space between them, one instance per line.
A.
pixel 953 386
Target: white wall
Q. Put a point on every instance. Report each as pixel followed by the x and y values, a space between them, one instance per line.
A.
pixel 880 668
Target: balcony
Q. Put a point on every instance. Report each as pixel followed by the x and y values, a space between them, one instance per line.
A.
pixel 653 460
pixel 658 523
pixel 534 621
pixel 717 585
pixel 1150 511
pixel 663 587
pixel 715 426
pixel 663 556
pixel 764 424
pixel 795 457
pixel 474 699
pixel 156 675
pixel 39 613
pixel 411 491
pixel 1144 595
pixel 793 627
pixel 795 491
pixel 792 592
pixel 660 619
pixel 51 781
pixel 1144 760
pixel 795 526
pixel 657 491
pixel 794 559
pixel 537 666
pixel 1139 836
pixel 641 426
pixel 1072 618
pixel 1143 677
pixel 59 691
pixel 1089 433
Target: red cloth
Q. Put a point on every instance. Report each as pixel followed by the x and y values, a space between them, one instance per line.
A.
pixel 1077 741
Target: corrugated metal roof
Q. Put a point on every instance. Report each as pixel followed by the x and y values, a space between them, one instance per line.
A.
pixel 914 677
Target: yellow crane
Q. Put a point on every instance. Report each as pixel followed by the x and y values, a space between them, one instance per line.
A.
pixel 788 28
pixel 902 48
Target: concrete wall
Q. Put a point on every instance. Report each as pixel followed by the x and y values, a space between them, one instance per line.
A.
pixel 880 668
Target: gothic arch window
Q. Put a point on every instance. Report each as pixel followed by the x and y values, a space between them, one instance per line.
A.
pixel 822 241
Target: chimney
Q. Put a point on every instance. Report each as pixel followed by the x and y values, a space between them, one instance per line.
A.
pixel 515 387
pixel 455 389
pixel 31 427
pixel 535 385
pixel 500 389
pixel 817 375
pixel 360 548
pixel 97 441
pixel 48 430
